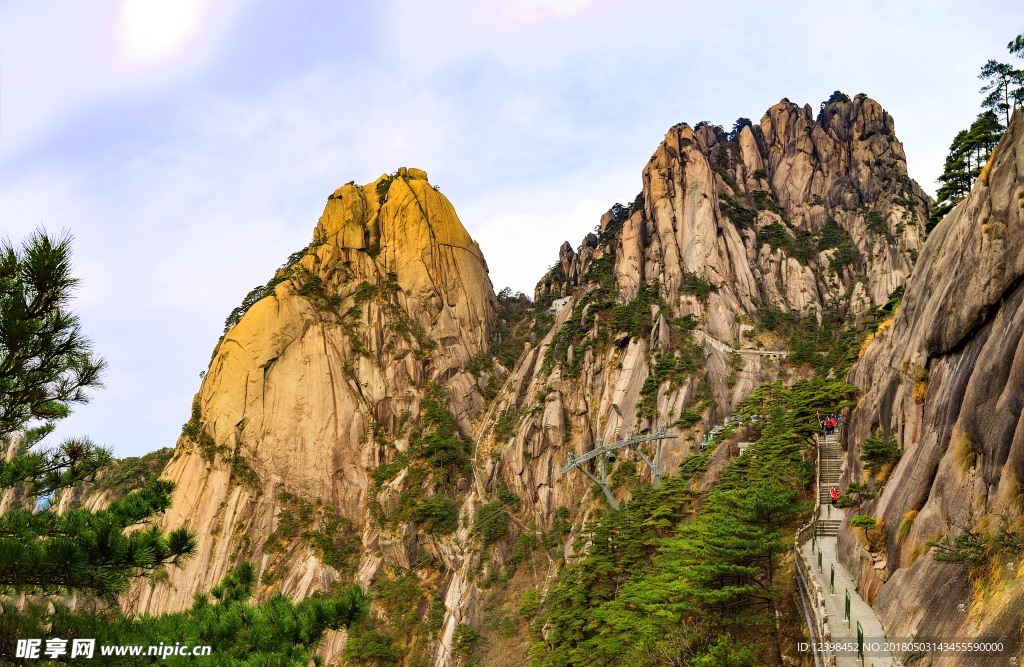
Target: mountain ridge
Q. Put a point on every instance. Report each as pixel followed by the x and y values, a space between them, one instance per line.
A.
pixel 359 391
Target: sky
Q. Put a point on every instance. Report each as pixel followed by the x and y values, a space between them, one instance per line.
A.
pixel 190 145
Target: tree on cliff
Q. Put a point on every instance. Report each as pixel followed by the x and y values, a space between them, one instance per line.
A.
pixel 971 148
pixel 47 366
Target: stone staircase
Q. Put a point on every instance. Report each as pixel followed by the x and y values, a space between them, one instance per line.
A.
pixel 830 462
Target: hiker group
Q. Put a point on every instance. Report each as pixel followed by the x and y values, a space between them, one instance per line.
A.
pixel 829 423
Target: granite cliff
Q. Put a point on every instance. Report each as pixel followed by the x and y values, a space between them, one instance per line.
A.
pixel 946 382
pixel 379 412
pixel 312 388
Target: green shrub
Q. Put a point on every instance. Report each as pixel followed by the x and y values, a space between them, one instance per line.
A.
pixel 465 640
pixel 371 648
pixel 330 535
pixel 837 96
pixel 975 549
pixel 740 215
pixel 438 440
pixel 384 473
pixel 697 285
pixel 365 292
pixel 262 291
pixel 878 451
pixel 905 525
pixel 131 473
pixel 276 631
pixel 865 522
pixel 765 201
pixel 856 495
pixel 524 545
pixel 560 524
pixel 688 419
pixel 491 522
pixel 195 430
pixel 383 186
pixel 635 316
pixel 530 603
pixel 312 286
pixel 876 223
pixel 834 236
pixel 437 515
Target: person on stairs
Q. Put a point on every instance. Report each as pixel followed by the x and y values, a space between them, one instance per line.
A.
pixel 833 493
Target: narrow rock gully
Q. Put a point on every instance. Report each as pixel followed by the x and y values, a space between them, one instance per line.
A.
pixel 836 613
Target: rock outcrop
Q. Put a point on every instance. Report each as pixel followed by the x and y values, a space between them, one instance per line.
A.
pixel 946 380
pixel 314 387
pixel 311 419
pixel 746 234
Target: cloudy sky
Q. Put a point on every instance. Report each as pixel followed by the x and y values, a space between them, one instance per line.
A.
pixel 190 145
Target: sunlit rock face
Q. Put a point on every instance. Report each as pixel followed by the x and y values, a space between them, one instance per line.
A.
pixel 305 390
pixel 322 381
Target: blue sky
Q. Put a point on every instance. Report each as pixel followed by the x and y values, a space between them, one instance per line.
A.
pixel 190 145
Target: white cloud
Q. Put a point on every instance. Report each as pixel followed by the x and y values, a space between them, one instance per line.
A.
pixel 535 9
pixel 155 29
pixel 520 246
pixel 64 59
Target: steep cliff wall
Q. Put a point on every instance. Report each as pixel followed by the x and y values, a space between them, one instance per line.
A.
pixel 947 381
pixel 782 232
pixel 319 383
pixel 374 418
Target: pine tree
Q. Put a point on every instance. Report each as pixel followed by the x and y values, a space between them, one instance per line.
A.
pixel 46 366
pixel 968 153
pixel 240 632
pixel 1003 89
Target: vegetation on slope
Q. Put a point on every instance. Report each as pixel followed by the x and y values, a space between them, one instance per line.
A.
pixel 971 148
pixel 674 577
pixel 240 632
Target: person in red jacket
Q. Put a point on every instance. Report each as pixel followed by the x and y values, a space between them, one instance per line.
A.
pixel 833 493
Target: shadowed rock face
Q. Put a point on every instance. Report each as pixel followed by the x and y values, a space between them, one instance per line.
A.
pixel 707 194
pixel 706 197
pixel 759 215
pixel 947 379
pixel 392 294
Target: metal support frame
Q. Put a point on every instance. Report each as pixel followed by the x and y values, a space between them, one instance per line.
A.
pixel 860 643
pixel 601 450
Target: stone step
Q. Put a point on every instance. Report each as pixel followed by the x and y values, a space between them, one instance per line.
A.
pixel 828 527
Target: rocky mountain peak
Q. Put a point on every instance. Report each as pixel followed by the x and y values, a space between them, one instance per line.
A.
pixel 321 380
pixel 381 390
